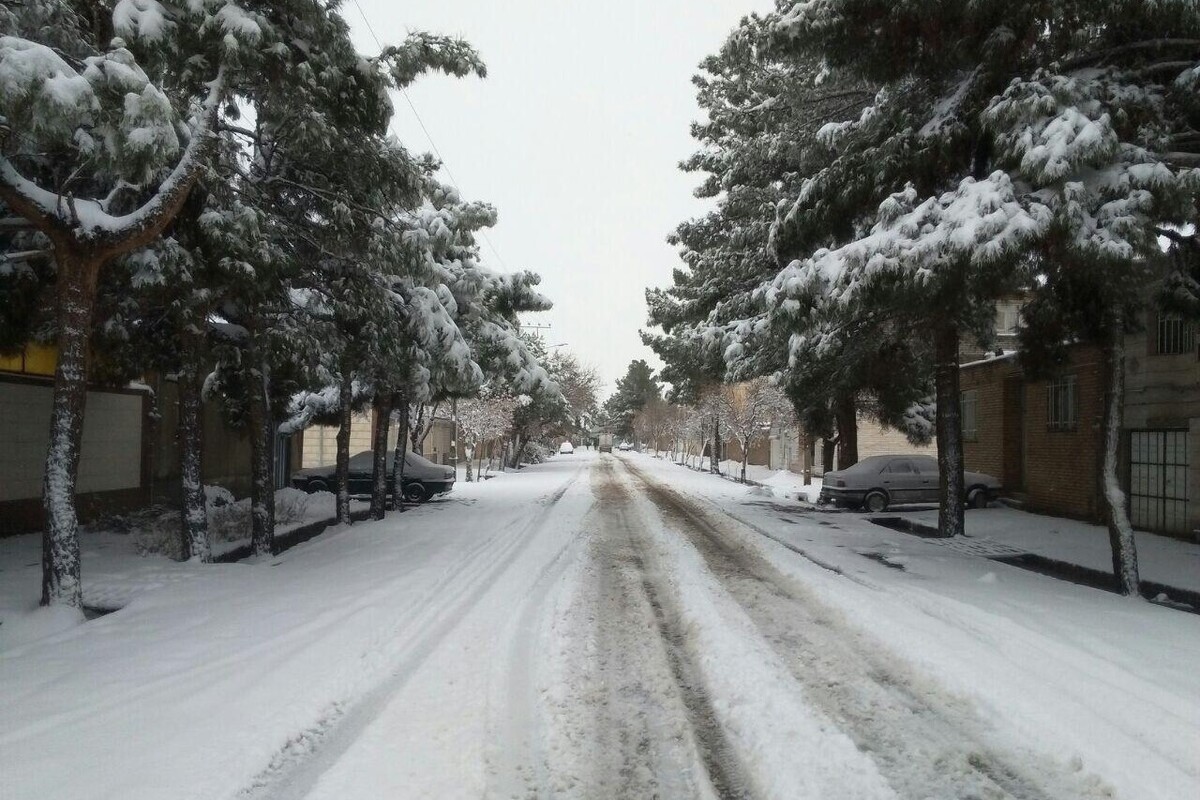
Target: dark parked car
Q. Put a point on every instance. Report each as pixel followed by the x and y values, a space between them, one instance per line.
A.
pixel 422 478
pixel 881 481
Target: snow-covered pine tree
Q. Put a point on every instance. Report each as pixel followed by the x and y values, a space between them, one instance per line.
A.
pixel 99 157
pixel 1004 132
pixel 765 106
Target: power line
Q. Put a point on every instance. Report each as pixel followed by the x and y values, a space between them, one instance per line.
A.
pixel 428 135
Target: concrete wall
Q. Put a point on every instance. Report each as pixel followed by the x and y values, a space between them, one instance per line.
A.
pixel 320 441
pixel 225 451
pixel 874 440
pixel 113 472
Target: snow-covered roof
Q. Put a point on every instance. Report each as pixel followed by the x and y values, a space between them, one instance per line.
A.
pixel 990 358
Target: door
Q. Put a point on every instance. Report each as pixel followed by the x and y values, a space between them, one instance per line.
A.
pixel 361 470
pixel 1158 467
pixel 930 482
pixel 902 480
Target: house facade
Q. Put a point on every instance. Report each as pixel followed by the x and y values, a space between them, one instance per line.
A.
pixel 1042 438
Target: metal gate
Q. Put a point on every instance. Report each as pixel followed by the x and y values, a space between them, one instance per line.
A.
pixel 1158 467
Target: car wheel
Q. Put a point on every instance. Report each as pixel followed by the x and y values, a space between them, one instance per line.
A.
pixel 415 493
pixel 317 486
pixel 977 497
pixel 875 502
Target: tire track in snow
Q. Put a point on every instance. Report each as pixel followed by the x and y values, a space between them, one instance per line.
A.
pixel 925 742
pixel 629 603
pixel 301 761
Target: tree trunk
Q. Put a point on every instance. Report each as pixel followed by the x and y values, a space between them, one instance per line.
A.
pixel 345 414
pixel 262 459
pixel 470 452
pixel 401 402
pixel 745 457
pixel 949 432
pixel 714 457
pixel 76 296
pixel 190 438
pixel 1120 530
pixel 827 454
pixel 414 434
pixel 379 487
pixel 479 462
pixel 846 413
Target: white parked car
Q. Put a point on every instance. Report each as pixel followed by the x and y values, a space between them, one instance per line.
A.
pixel 625 446
pixel 566 448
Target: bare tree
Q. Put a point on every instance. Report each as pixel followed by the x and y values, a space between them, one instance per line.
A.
pixel 750 409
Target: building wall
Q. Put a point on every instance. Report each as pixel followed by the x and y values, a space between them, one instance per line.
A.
pixel 320 441
pixel 874 440
pixel 1163 392
pixel 438 446
pixel 1063 467
pixel 113 472
pixel 760 451
pixel 225 453
pixel 1052 471
pixel 986 451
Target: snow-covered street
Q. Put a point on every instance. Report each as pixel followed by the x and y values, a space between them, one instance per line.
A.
pixel 609 626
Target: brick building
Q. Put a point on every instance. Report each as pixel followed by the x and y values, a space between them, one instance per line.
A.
pixel 1040 438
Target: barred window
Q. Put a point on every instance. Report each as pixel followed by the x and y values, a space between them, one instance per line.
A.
pixel 970 415
pixel 1061 401
pixel 1175 336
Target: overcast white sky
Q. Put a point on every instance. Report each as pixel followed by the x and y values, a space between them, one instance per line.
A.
pixel 575 137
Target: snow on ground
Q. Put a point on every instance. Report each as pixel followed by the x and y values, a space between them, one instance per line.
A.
pixel 1100 682
pixel 777 482
pixel 1161 559
pixel 224 679
pixel 114 572
pixel 598 626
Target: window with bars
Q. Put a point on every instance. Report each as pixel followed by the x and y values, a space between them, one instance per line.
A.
pixel 970 415
pixel 1175 336
pixel 1061 404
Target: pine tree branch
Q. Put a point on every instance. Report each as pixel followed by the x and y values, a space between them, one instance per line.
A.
pixel 1132 47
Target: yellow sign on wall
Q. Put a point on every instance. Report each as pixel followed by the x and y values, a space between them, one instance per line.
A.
pixel 33 359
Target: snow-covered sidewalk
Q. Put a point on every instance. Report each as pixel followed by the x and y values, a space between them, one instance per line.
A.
pixel 1000 530
pixel 1161 559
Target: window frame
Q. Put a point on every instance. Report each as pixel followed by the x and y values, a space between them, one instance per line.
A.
pixel 1068 384
pixel 1177 333
pixel 969 398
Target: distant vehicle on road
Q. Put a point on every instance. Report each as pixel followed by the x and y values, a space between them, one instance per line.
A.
pixel 877 482
pixel 566 448
pixel 422 478
pixel 606 440
pixel 625 446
